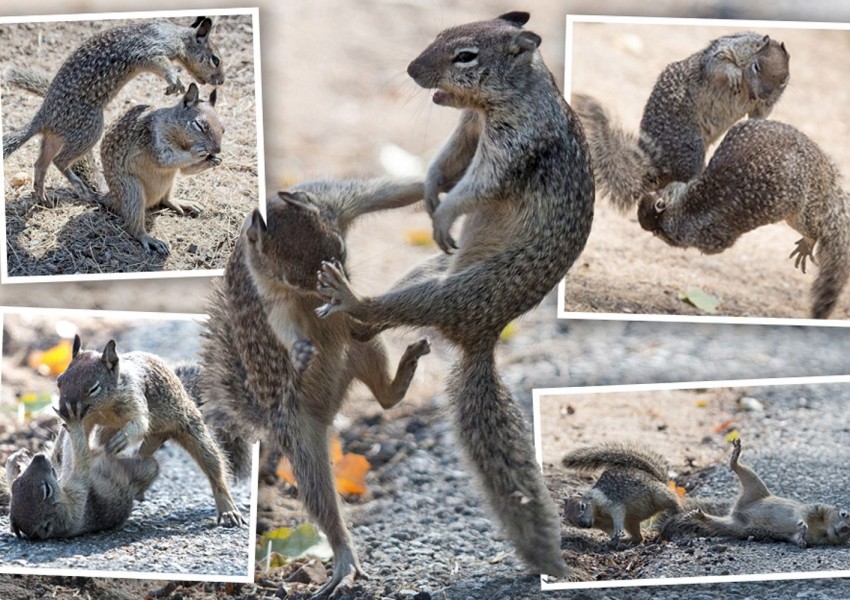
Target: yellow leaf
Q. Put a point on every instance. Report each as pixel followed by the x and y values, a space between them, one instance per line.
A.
pixel 419 237
pixel 702 403
pixel 51 362
pixel 733 435
pixel 509 331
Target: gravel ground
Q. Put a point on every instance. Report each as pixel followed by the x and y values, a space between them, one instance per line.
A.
pixel 172 531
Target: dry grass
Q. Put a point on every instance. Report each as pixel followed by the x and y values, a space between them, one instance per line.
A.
pixel 78 236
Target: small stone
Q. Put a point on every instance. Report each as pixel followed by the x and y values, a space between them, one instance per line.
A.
pixel 19 179
pixel 750 404
pixel 193 248
pixel 313 572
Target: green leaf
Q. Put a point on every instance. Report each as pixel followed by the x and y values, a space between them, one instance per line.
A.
pixel 705 302
pixel 279 546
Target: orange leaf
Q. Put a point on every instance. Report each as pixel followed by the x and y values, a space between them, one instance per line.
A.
pixel 680 491
pixel 349 470
pixel 350 473
pixel 53 361
pixel 723 426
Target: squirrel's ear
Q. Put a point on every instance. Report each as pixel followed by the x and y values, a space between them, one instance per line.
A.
pixel 203 26
pixel 516 18
pixel 299 199
pixel 77 345
pixel 257 226
pixel 197 21
pixel 213 97
pixel 110 356
pixel 525 41
pixel 190 98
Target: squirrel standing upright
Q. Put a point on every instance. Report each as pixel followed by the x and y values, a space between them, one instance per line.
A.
pixel 759 514
pixel 137 397
pixel 518 167
pixel 142 152
pixel 762 172
pixel 694 101
pixel 632 488
pixel 264 307
pixel 93 490
pixel 70 119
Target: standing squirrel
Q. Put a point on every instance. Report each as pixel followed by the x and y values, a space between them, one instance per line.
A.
pixel 137 397
pixel 518 167
pixel 632 488
pixel 762 172
pixel 760 515
pixel 94 490
pixel 70 119
pixel 694 101
pixel 263 310
pixel 142 152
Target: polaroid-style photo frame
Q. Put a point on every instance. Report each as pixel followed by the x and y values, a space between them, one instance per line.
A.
pixel 627 273
pixel 75 235
pixel 172 530
pixel 791 433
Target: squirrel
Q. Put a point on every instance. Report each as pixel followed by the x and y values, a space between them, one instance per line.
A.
pixel 694 101
pixel 142 152
pixel 632 488
pixel 260 314
pixel 70 119
pixel 518 165
pixel 762 172
pixel 760 515
pixel 93 490
pixel 136 397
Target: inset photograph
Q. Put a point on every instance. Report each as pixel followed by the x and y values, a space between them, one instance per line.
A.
pixel 130 146
pixel 720 184
pixel 110 467
pixel 698 483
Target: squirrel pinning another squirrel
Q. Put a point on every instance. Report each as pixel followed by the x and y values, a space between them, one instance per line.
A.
pixel 70 119
pixel 632 488
pixel 694 101
pixel 760 515
pixel 142 152
pixel 262 313
pixel 136 397
pixel 92 491
pixel 518 167
pixel 762 172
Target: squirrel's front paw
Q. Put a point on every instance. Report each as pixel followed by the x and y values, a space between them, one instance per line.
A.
pixel 442 227
pixel 117 443
pixel 332 284
pixel 176 87
pixel 213 159
pixel 803 250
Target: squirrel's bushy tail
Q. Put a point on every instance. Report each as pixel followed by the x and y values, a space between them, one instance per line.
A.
pixel 833 256
pixel 629 456
pixel 12 140
pixel 236 449
pixel 492 432
pixel 620 167
pixel 28 79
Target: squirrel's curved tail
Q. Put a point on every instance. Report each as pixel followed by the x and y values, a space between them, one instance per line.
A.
pixel 629 456
pixel 491 430
pixel 12 140
pixel 236 449
pixel 28 79
pixel 621 168
pixel 833 256
pixel 671 524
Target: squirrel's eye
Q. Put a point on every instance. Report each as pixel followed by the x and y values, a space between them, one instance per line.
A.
pixel 94 390
pixel 465 56
pixel 843 514
pixel 756 67
pixel 199 125
pixel 660 205
pixel 215 60
pixel 46 490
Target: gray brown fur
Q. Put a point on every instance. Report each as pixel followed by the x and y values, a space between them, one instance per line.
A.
pixel 762 172
pixel 92 491
pixel 260 314
pixel 693 102
pixel 518 167
pixel 70 119
pixel 760 515
pixel 137 397
pixel 145 149
pixel 632 488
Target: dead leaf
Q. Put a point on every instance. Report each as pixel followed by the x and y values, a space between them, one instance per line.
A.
pixel 698 298
pixel 349 470
pixel 53 361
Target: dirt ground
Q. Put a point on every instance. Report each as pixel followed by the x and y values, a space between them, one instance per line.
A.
pixel 78 236
pixel 624 269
